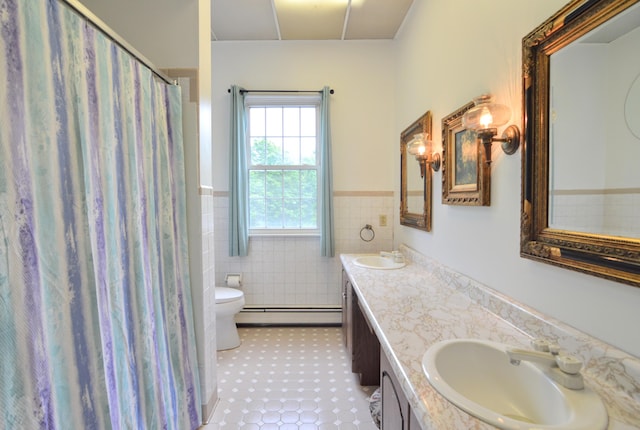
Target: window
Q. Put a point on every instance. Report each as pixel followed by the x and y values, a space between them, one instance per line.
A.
pixel 283 164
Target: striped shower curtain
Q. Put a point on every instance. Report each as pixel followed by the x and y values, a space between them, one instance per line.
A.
pixel 96 328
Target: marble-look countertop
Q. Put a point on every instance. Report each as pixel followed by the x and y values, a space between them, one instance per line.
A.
pixel 423 303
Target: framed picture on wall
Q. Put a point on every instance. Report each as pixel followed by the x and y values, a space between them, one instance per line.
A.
pixel 466 177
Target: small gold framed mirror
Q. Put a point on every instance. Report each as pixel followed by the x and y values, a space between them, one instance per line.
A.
pixel 416 165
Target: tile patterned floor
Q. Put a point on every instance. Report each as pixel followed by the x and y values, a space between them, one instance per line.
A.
pixel 290 378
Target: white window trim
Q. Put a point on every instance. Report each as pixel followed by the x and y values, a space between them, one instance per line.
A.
pixel 286 100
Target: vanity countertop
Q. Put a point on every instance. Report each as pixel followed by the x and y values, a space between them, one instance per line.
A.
pixel 423 303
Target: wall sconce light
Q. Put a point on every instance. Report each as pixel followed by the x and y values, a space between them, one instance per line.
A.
pixel 485 118
pixel 418 147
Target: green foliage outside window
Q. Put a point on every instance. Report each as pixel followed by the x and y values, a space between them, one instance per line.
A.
pixel 283 198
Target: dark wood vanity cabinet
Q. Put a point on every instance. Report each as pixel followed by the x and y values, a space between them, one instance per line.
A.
pixel 396 411
pixel 360 339
pixel 371 363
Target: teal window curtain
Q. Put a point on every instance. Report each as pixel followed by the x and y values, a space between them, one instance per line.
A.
pixel 238 180
pixel 238 177
pixel 327 237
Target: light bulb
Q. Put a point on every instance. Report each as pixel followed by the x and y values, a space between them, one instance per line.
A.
pixel 486 119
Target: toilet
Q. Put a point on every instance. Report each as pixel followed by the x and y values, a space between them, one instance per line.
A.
pixel 229 301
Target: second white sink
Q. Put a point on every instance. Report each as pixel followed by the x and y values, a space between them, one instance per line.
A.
pixel 476 376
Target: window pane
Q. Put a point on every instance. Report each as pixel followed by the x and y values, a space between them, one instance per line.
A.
pixel 308 184
pixel 292 150
pixel 258 151
pixel 308 121
pixel 291 184
pixel 308 151
pixel 274 121
pixel 257 184
pixel 273 151
pixel 256 121
pixel 308 213
pixel 291 209
pixel 291 116
pixel 274 184
pixel 274 213
pixel 257 213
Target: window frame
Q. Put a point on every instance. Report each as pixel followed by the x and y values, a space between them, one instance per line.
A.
pixel 271 100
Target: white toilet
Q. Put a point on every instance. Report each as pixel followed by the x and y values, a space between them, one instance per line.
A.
pixel 229 301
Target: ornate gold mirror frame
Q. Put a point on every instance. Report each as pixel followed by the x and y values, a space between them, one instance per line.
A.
pixel 415 190
pixel 613 257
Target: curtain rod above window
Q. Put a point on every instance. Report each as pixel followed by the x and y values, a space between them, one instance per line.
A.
pixel 282 91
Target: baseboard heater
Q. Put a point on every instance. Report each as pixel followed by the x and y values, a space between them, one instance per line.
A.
pixel 289 315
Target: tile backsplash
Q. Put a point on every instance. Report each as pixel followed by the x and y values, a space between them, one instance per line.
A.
pixel 289 270
pixel 615 213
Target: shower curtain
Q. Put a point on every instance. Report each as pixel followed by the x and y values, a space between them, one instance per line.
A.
pixel 96 327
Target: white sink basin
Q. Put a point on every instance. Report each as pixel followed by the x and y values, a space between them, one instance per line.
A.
pixel 377 262
pixel 476 376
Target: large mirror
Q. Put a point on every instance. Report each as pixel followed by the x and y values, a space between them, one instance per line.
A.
pixel 581 162
pixel 415 177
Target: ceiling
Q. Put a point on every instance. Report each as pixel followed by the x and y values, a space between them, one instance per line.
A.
pixel 306 19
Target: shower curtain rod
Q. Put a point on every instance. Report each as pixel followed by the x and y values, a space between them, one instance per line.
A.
pixel 108 31
pixel 281 91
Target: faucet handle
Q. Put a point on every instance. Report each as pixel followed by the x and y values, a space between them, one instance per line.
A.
pixel 554 348
pixel 540 344
pixel 569 364
pixel 397 256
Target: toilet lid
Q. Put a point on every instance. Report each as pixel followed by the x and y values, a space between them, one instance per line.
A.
pixel 226 294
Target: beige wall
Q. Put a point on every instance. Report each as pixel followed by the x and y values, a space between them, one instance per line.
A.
pixel 164 31
pixel 462 55
pixel 290 271
pixel 362 108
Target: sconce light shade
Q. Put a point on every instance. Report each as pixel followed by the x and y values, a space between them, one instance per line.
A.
pixel 418 147
pixel 485 118
pixel 486 114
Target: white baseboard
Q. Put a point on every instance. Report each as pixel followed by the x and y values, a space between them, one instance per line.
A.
pixel 289 315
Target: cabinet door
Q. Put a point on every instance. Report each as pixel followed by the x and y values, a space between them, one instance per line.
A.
pixel 366 347
pixel 395 408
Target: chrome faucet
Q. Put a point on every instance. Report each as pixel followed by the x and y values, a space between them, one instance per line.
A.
pixel 563 369
pixel 395 255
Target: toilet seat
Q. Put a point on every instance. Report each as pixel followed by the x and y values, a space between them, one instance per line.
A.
pixel 226 294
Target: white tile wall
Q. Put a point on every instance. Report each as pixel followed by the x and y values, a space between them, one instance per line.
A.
pixel 612 214
pixel 208 374
pixel 290 270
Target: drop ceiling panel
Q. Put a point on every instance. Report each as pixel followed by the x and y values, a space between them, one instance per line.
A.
pixel 311 19
pixel 376 19
pixel 306 19
pixel 243 20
